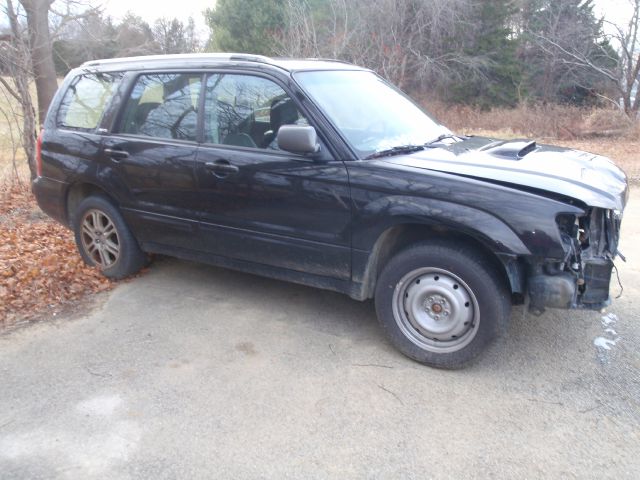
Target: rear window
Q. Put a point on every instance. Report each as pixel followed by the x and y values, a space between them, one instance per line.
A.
pixel 85 100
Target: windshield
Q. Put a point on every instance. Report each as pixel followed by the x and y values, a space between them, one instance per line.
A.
pixel 372 115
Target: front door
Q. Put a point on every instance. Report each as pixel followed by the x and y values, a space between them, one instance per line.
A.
pixel 262 204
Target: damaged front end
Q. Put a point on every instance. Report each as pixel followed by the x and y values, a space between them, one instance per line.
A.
pixel 583 277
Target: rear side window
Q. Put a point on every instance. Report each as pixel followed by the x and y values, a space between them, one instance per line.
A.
pixel 163 106
pixel 85 100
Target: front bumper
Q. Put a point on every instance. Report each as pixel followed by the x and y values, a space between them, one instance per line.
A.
pixel 583 279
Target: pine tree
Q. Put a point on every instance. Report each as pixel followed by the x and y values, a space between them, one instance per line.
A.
pixel 490 46
pixel 245 26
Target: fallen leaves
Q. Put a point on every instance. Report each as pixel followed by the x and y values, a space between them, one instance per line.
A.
pixel 40 267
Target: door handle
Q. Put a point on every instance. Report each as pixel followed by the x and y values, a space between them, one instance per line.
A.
pixel 115 154
pixel 221 168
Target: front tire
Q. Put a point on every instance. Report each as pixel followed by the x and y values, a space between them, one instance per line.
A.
pixel 104 239
pixel 442 304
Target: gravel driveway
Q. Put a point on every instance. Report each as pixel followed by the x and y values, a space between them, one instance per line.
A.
pixel 197 372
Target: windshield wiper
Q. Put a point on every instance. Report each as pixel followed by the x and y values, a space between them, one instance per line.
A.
pixel 395 151
pixel 442 137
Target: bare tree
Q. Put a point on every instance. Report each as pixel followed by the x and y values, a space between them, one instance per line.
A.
pixel 299 37
pixel 586 63
pixel 37 12
pixel 135 37
pixel 628 78
pixel 15 55
pixel 173 36
pixel 17 52
pixel 420 41
pixel 412 41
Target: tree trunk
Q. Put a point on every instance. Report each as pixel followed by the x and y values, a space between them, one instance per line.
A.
pixel 41 52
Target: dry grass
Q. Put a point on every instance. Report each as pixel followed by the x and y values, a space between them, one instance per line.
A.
pixel 12 158
pixel 541 121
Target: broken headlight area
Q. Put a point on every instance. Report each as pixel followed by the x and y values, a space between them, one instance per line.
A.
pixel 583 277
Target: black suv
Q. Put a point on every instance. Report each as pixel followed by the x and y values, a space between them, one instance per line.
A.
pixel 319 172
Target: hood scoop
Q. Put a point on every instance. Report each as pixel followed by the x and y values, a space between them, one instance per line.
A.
pixel 515 150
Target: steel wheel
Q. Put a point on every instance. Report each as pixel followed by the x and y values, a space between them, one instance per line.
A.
pixel 436 310
pixel 100 238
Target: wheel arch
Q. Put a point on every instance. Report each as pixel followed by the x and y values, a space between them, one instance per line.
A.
pixel 400 236
pixel 79 191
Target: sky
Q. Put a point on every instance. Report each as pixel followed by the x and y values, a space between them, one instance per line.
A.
pixel 615 11
pixel 151 10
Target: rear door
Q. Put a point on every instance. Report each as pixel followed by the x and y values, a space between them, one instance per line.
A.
pixel 72 137
pixel 262 204
pixel 152 151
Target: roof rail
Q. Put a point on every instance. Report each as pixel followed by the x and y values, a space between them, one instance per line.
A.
pixel 244 57
pixel 327 60
pixel 248 57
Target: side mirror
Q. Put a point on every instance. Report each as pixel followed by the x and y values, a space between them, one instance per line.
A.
pixel 298 139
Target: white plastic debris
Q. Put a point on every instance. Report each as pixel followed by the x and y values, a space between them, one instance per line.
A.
pixel 604 343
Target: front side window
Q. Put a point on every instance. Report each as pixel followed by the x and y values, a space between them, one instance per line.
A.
pixel 163 105
pixel 86 99
pixel 246 111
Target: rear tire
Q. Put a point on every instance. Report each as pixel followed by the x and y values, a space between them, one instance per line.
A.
pixel 104 239
pixel 442 304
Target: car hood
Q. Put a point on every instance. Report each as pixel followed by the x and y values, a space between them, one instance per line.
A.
pixel 592 179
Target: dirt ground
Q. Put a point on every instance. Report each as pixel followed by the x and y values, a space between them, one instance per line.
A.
pixel 198 372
